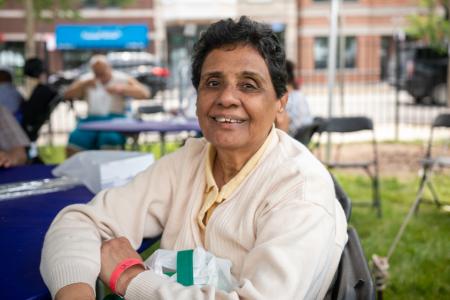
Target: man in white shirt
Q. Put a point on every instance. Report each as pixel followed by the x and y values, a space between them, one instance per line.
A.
pixel 106 91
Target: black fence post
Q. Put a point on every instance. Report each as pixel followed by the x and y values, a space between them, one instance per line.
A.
pixel 397 39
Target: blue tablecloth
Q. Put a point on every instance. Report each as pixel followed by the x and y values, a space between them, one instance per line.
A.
pixel 23 224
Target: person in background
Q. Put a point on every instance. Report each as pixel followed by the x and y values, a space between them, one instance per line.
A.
pixel 247 192
pixel 297 113
pixel 13 141
pixel 10 98
pixel 105 91
pixel 37 108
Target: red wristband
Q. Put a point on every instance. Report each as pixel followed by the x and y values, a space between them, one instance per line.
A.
pixel 119 269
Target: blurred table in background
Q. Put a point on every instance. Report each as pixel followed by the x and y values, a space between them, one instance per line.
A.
pixel 133 127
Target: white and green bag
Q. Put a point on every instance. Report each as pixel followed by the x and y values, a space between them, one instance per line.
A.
pixel 193 267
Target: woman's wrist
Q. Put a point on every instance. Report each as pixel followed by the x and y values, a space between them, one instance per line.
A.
pixel 126 277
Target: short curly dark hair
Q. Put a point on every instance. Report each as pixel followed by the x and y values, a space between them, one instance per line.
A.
pixel 243 32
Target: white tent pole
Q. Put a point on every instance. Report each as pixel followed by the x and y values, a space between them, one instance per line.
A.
pixel 332 49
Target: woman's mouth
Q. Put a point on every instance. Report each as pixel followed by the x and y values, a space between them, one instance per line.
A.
pixel 227 120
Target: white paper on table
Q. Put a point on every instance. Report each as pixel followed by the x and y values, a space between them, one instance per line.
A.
pixel 100 169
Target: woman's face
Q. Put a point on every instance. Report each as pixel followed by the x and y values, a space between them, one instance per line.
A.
pixel 236 104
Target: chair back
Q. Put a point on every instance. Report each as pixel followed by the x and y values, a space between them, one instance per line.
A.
pixel 347 124
pixel 306 132
pixel 442 120
pixel 342 197
pixel 150 109
pixel 353 280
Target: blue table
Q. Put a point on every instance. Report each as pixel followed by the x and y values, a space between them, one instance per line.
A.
pixel 134 127
pixel 23 224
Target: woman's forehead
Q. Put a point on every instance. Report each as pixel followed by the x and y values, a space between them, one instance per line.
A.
pixel 236 59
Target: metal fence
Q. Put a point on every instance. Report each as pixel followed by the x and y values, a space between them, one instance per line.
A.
pixel 371 89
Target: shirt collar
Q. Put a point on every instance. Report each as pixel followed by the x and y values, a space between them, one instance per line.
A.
pixel 247 168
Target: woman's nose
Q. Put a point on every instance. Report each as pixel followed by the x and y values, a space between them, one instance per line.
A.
pixel 228 96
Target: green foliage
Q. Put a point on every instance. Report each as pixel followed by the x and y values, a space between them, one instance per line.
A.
pixel 433 25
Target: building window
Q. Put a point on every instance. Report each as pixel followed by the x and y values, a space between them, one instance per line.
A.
pixel 99 3
pixel 321 52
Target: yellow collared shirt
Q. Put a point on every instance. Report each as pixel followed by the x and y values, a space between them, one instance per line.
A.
pixel 212 196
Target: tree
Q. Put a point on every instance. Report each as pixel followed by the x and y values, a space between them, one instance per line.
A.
pixel 432 26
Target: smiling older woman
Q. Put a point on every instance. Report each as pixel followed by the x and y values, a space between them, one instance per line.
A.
pixel 246 192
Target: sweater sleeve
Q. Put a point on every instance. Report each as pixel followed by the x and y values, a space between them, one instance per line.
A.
pixel 71 251
pixel 294 253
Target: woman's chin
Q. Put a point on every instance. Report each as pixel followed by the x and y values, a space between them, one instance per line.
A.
pixel 228 142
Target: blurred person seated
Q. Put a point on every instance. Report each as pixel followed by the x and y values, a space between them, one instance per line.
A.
pixel 105 91
pixel 247 192
pixel 10 97
pixel 37 107
pixel 13 141
pixel 297 113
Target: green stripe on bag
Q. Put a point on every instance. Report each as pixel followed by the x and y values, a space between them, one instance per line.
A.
pixel 185 274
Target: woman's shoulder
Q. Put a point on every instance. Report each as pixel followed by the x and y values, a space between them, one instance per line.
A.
pixel 299 168
pixel 191 151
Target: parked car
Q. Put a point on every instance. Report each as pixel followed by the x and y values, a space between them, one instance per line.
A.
pixel 141 65
pixel 427 76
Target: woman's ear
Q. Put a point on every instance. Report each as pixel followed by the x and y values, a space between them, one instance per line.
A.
pixel 282 103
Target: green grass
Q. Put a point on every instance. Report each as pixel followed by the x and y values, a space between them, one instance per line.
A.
pixel 420 266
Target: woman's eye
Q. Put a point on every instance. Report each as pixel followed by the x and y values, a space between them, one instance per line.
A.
pixel 248 86
pixel 212 83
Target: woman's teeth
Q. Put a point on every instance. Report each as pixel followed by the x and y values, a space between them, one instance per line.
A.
pixel 227 120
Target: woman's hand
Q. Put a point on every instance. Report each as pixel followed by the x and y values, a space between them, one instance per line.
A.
pixel 113 252
pixel 76 291
pixel 14 157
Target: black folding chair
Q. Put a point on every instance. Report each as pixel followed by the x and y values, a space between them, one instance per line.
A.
pixel 150 109
pixel 352 280
pixel 342 197
pixel 432 161
pixel 305 133
pixel 345 125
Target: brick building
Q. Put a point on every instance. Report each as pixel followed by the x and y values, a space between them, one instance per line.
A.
pixel 367 29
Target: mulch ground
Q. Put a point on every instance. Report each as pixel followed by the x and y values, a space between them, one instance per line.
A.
pixel 395 160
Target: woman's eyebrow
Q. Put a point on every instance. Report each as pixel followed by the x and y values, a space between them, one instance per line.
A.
pixel 211 74
pixel 252 75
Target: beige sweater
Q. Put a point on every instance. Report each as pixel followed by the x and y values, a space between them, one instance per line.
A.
pixel 282 229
